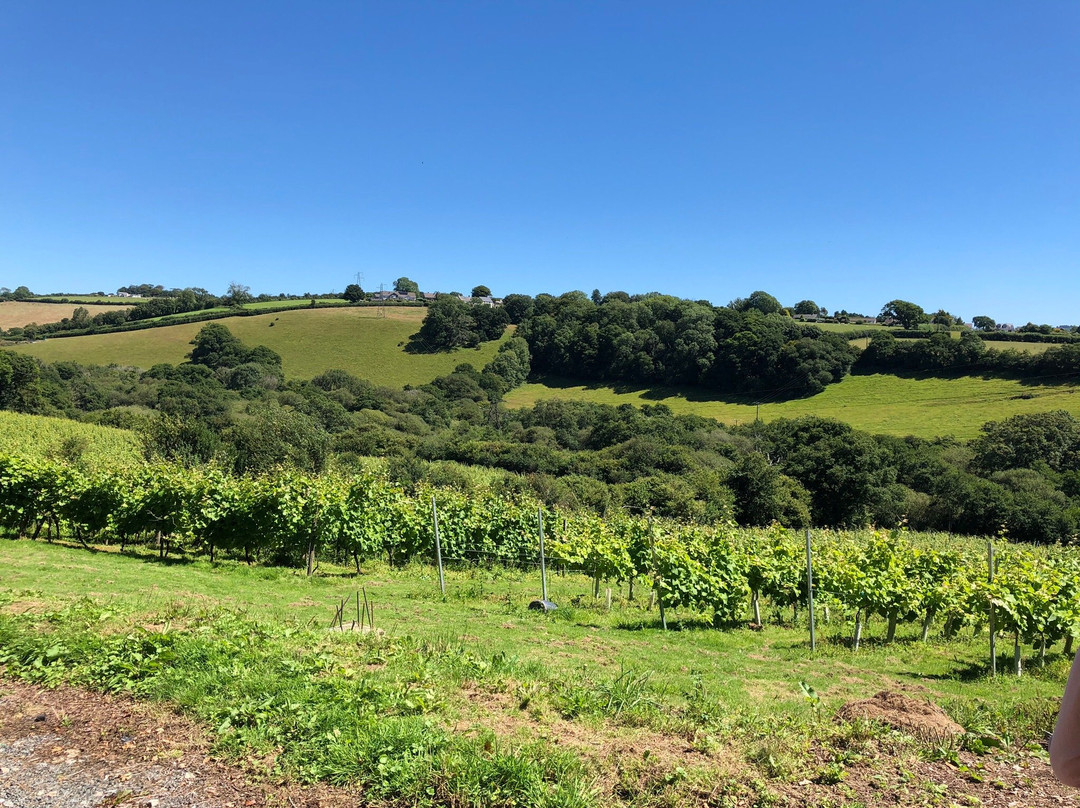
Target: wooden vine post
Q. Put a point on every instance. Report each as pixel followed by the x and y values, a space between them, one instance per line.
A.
pixel 438 545
pixel 657 580
pixel 810 591
pixel 993 627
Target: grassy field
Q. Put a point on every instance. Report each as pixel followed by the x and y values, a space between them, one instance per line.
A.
pixel 1023 347
pixel 471 699
pixel 104 300
pixel 847 328
pixel 883 404
pixel 17 313
pixel 266 305
pixel 37 436
pixel 310 342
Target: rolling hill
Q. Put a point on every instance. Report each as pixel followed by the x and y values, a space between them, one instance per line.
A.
pixel 39 436
pixel 373 347
pixel 310 342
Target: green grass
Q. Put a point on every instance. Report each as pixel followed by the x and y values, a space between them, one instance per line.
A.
pixel 37 437
pixel 1023 347
pixel 104 300
pixel 310 342
pixel 882 404
pixel 473 699
pixel 847 328
pixel 265 305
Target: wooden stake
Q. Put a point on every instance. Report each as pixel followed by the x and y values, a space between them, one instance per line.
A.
pixel 993 626
pixel 810 591
pixel 438 545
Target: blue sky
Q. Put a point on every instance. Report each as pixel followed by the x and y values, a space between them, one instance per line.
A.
pixel 847 152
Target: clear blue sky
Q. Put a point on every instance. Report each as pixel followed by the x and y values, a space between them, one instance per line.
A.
pixel 851 153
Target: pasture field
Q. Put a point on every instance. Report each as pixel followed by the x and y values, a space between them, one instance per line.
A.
pixel 17 313
pixel 847 328
pixel 879 403
pixel 1023 347
pixel 265 305
pixel 103 300
pixel 472 699
pixel 38 436
pixel 310 342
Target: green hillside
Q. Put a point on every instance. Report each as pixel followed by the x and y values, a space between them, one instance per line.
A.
pixel 37 436
pixel 309 341
pixel 883 404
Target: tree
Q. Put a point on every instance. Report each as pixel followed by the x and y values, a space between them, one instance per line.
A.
pixel 405 285
pixel 449 324
pixel 518 307
pixel 942 317
pixel 216 346
pixel 21 293
pixel 80 318
pixel 763 495
pixel 511 363
pixel 807 307
pixel 353 293
pixel 1023 441
pixel 908 314
pixel 20 382
pixel 844 470
pixel 983 323
pixel 481 291
pixel 490 321
pixel 238 294
pixel 762 301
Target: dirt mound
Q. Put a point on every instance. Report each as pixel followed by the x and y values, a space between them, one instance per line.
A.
pixel 920 718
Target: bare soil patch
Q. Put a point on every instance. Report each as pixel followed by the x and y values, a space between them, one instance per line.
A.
pixel 991 781
pixel 67 748
pixel 917 717
pixel 17 313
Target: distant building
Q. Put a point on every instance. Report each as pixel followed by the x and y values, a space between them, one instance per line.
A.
pixel 483 301
pixel 399 297
pixel 1005 327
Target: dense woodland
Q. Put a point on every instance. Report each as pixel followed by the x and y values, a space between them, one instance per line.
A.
pixel 230 405
pixel 749 347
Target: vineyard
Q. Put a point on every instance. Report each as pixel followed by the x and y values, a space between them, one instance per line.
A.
pixel 716 575
pixel 40 437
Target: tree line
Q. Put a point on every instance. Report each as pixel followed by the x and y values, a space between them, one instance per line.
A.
pixel 658 339
pixel 942 354
pixel 230 406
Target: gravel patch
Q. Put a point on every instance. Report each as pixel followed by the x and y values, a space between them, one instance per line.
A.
pixel 68 748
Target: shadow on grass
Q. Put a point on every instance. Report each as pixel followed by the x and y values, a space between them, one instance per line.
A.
pixel 1057 380
pixel 659 393
pixel 418 345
